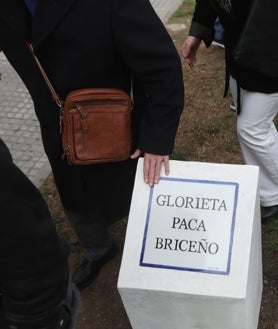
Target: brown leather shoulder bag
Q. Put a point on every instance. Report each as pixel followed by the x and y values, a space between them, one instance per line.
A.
pixel 95 123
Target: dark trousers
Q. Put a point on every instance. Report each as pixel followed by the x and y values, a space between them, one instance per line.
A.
pixel 34 272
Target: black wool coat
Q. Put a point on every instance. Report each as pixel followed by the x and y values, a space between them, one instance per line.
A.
pixel 202 26
pixel 92 43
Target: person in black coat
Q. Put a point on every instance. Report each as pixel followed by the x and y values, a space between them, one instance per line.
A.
pixel 36 292
pixel 101 44
pixel 257 92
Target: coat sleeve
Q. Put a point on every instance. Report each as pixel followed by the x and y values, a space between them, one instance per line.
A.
pixel 1 36
pixel 148 50
pixel 202 25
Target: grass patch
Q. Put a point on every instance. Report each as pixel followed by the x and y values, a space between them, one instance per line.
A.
pixel 272 229
pixel 178 13
pixel 179 155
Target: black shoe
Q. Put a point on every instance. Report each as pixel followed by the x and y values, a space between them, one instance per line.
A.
pixel 88 270
pixel 267 212
pixel 69 309
pixel 64 319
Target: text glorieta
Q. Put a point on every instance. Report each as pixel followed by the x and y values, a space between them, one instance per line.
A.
pixel 189 202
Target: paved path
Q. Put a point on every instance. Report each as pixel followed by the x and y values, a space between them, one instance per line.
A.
pixel 19 127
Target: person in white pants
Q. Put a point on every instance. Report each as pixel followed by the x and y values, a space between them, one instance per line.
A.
pixel 256 94
pixel 258 138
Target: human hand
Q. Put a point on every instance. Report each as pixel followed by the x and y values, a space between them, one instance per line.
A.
pixel 189 50
pixel 152 166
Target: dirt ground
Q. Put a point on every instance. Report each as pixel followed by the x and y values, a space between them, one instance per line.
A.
pixel 206 133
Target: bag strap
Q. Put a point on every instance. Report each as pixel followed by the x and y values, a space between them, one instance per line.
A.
pixel 55 96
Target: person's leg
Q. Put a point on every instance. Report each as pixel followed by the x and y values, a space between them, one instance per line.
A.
pixel 219 33
pixel 233 89
pixel 108 191
pixel 258 139
pixel 34 272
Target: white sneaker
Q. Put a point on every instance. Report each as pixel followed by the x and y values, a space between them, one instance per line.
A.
pixel 217 43
pixel 233 106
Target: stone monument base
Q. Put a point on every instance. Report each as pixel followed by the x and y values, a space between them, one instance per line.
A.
pixel 167 288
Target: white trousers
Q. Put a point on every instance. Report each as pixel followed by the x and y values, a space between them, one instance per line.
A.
pixel 258 139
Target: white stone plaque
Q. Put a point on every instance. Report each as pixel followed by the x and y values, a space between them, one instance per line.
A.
pixel 190 225
pixel 192 256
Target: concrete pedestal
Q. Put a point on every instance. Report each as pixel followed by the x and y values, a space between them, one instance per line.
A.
pixel 192 255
